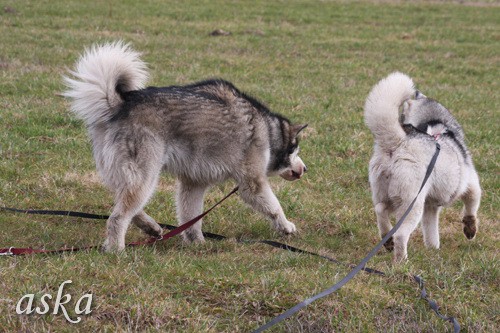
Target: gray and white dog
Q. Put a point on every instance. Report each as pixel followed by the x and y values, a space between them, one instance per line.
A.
pixel 203 133
pixel 404 146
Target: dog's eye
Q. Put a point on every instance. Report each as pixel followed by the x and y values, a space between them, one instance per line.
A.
pixel 292 149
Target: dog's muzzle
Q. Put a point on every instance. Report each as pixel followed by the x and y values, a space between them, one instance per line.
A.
pixel 294 174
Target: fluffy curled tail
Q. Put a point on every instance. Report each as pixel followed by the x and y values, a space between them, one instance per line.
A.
pixel 382 108
pixel 101 75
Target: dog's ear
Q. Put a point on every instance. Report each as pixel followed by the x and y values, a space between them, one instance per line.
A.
pixel 296 129
pixel 419 95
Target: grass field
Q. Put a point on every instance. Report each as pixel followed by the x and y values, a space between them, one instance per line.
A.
pixel 313 62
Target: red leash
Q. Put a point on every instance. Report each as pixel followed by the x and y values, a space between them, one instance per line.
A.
pixel 19 251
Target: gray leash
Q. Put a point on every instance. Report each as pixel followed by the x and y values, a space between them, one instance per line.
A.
pixel 362 264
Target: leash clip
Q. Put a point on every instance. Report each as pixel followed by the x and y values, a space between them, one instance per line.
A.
pixel 8 253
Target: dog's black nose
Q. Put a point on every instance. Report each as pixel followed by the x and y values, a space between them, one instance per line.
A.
pixel 305 169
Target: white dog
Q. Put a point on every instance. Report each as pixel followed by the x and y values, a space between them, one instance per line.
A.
pixel 404 146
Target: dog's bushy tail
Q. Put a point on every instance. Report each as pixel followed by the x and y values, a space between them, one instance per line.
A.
pixel 382 108
pixel 102 74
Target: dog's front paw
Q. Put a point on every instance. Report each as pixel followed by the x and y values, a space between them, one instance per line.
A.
pixel 111 246
pixel 470 226
pixel 288 228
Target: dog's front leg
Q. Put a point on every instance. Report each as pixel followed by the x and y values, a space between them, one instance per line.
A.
pixel 189 204
pixel 258 194
pixel 430 225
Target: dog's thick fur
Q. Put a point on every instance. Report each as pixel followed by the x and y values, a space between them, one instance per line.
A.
pixel 203 133
pixel 403 148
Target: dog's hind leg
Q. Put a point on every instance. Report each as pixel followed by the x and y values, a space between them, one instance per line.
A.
pixel 129 202
pixel 402 235
pixel 384 224
pixel 189 204
pixel 258 194
pixel 471 199
pixel 430 225
pixel 147 224
pixel 130 199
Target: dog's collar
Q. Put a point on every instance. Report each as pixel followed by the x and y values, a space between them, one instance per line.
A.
pixel 409 129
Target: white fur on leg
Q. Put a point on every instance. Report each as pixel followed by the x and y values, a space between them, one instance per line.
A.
pixel 259 195
pixel 383 221
pixel 129 201
pixel 430 226
pixel 116 228
pixel 280 223
pixel 402 235
pixel 119 221
pixel 400 247
pixel 189 204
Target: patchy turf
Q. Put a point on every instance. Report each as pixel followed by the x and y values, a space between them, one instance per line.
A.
pixel 314 62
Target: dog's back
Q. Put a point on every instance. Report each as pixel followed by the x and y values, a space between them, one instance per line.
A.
pixel 205 129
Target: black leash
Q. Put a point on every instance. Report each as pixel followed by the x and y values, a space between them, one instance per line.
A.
pixel 18 251
pixel 297 250
pixel 56 212
pixel 288 313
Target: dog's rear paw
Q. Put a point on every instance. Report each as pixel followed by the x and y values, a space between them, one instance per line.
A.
pixel 147 224
pixel 389 245
pixel 153 230
pixel 400 251
pixel 190 236
pixel 470 226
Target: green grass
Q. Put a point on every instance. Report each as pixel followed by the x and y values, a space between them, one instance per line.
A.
pixel 313 62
